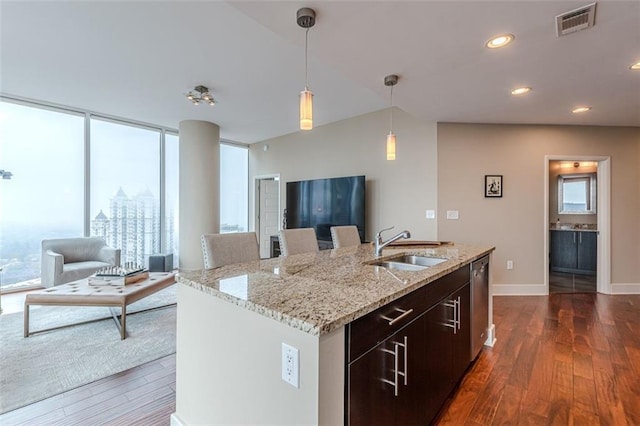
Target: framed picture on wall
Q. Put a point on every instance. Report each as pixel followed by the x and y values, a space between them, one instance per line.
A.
pixel 493 186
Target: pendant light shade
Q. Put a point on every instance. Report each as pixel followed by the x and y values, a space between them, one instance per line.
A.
pixel 391 146
pixel 306 18
pixel 391 80
pixel 306 110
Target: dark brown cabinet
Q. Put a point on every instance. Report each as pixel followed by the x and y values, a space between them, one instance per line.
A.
pixel 447 356
pixel 404 359
pixel 573 251
pixel 387 383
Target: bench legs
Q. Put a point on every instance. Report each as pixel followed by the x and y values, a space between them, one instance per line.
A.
pixel 122 322
pixel 26 320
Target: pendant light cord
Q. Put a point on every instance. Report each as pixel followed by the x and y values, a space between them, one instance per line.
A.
pixel 306 43
pixel 391 111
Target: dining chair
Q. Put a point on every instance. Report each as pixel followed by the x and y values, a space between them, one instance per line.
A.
pixel 226 249
pixel 296 241
pixel 345 236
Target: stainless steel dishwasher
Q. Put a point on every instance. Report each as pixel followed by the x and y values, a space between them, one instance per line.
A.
pixel 479 304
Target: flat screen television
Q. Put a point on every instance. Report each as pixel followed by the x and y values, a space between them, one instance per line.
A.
pixel 323 203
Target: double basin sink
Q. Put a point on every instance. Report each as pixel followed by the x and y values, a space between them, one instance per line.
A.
pixel 409 262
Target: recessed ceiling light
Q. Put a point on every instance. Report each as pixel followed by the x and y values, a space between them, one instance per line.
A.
pixel 499 41
pixel 521 90
pixel 635 66
pixel 580 109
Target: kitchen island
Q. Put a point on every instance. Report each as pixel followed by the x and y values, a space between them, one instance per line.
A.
pixel 233 320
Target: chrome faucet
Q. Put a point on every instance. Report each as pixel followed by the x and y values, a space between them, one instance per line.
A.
pixel 380 245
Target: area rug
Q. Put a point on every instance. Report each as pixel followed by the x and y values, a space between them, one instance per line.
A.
pixel 49 363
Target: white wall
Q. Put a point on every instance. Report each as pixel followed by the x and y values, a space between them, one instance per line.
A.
pixel 398 192
pixel 515 222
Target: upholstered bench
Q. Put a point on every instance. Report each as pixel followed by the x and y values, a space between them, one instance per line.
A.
pixel 82 293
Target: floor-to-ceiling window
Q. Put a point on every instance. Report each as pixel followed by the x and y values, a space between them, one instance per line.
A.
pixel 234 187
pixel 171 196
pixel 46 192
pixel 125 188
pixel 42 185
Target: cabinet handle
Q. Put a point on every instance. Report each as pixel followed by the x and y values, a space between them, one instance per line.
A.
pixel 399 317
pixel 454 322
pixel 396 365
pixel 393 382
pixel 574 237
pixel 580 237
pixel 405 349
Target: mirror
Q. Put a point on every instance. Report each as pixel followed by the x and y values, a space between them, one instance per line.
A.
pixel 577 194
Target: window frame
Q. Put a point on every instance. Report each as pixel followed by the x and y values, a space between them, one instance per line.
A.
pixel 590 196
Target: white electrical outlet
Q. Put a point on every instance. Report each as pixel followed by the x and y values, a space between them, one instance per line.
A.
pixel 290 365
pixel 452 214
pixel 430 214
pixel 509 264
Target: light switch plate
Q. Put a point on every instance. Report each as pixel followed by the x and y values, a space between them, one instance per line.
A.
pixel 452 214
pixel 430 214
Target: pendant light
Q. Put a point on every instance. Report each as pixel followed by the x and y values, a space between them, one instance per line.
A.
pixel 306 18
pixel 391 80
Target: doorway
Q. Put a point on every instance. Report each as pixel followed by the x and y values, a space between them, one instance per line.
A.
pixel 577 212
pixel 267 212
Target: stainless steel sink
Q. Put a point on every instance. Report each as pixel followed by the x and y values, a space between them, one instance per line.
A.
pixel 400 266
pixel 419 260
pixel 409 263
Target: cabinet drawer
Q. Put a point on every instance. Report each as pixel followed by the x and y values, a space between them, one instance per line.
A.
pixel 369 330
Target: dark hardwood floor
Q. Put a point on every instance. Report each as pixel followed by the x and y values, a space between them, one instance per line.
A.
pixel 566 359
pixel 144 395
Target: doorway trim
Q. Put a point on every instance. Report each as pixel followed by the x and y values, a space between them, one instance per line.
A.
pixel 256 200
pixel 603 273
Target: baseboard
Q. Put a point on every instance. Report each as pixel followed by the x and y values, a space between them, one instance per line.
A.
pixel 626 288
pixel 175 420
pixel 541 289
pixel 519 290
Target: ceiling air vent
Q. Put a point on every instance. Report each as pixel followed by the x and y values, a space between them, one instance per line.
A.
pixel 576 20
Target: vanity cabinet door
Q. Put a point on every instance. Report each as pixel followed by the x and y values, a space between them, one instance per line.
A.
pixel 563 247
pixel 386 384
pixel 573 251
pixel 587 252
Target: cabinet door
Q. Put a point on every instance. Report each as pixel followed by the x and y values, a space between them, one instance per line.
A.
pixel 462 333
pixel 386 384
pixel 448 348
pixel 410 407
pixel 439 352
pixel 563 249
pixel 371 397
pixel 587 252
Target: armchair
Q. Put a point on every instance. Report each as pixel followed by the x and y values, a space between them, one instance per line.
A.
pixel 69 259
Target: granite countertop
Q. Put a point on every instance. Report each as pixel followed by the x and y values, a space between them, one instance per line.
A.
pixel 573 227
pixel 320 292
